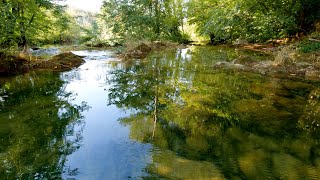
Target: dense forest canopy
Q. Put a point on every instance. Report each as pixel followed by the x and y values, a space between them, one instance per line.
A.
pixel 22 21
pixel 145 18
pixel 32 22
pixel 36 22
pixel 254 20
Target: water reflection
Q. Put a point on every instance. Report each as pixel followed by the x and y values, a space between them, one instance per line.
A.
pixel 180 118
pixel 37 127
pixel 224 123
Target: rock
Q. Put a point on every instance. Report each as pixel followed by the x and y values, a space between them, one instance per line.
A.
pixel 240 41
pixel 286 56
pixel 62 62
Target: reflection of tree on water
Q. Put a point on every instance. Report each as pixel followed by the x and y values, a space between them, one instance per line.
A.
pixel 144 89
pixel 245 124
pixel 37 128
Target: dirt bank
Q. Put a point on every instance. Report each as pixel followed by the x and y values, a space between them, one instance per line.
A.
pixel 12 65
pixel 61 62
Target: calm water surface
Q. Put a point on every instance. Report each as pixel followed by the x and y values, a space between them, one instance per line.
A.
pixel 171 116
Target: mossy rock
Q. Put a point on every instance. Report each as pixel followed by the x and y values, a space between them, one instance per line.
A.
pixel 61 62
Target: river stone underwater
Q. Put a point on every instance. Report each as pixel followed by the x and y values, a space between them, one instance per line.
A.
pixel 171 116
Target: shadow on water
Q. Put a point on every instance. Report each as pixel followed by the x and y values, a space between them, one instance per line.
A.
pixel 37 127
pixel 218 123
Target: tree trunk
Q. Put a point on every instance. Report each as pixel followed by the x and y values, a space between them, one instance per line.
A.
pixel 212 38
pixel 157 14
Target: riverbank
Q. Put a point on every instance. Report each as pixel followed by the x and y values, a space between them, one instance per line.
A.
pixel 290 58
pixel 22 63
pixel 296 59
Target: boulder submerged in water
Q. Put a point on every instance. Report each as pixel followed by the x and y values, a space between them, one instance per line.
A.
pixel 61 62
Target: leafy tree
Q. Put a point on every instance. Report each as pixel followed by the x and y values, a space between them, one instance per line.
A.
pixel 255 20
pixel 147 19
pixel 23 21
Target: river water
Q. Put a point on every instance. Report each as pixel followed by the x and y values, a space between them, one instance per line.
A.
pixel 171 116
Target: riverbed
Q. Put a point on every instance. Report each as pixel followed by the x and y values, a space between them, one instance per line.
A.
pixel 173 115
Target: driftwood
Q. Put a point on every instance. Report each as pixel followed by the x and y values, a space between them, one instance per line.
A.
pixel 316 40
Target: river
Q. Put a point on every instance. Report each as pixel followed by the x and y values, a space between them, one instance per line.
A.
pixel 172 115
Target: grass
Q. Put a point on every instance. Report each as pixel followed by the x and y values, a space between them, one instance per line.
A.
pixel 308 46
pixel 312 44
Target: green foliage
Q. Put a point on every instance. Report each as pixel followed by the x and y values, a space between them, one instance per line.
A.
pixel 144 19
pixel 35 22
pixel 21 20
pixel 256 20
pixel 309 46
